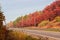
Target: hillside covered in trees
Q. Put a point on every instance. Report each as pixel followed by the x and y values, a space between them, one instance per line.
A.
pixel 47 18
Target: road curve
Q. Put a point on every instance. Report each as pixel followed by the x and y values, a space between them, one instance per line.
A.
pixel 39 32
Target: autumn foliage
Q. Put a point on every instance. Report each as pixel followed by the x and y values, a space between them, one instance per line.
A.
pixel 33 19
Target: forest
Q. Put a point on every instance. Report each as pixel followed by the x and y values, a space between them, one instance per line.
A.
pixel 46 17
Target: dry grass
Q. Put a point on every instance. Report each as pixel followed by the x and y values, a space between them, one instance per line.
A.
pixel 17 35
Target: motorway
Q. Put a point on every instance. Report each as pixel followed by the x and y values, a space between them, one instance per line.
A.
pixel 50 34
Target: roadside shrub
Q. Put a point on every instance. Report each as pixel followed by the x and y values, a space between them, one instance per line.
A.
pixel 57 19
pixel 43 23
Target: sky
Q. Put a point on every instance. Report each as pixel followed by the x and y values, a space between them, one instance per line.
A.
pixel 15 8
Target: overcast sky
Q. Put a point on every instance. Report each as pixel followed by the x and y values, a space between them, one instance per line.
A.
pixel 15 8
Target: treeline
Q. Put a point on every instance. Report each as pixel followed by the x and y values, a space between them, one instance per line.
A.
pixel 33 19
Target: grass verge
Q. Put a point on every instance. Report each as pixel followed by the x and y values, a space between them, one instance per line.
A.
pixel 17 35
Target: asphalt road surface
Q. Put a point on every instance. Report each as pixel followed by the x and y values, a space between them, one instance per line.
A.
pixel 39 32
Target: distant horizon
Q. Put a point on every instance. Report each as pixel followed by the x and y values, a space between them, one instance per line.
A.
pixel 15 8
